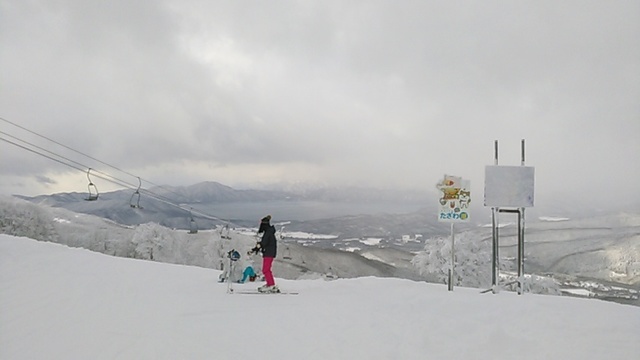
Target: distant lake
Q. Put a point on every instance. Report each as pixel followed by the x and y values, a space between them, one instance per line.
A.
pixel 304 210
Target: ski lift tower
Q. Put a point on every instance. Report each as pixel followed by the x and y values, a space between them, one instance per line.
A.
pixel 508 189
pixel 193 226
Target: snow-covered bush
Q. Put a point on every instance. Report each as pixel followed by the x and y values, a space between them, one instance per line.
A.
pixel 472 264
pixel 22 218
pixel 473 260
pixel 541 285
pixel 535 284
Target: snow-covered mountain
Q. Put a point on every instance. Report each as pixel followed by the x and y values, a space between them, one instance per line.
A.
pixel 241 207
pixel 345 213
pixel 63 303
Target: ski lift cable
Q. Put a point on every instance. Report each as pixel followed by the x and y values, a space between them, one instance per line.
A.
pixel 60 144
pixel 111 179
pixel 41 154
pixel 104 176
pixel 85 155
pixel 72 164
pixel 83 167
pixel 40 148
pixel 62 157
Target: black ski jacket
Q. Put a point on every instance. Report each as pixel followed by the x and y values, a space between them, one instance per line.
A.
pixel 269 243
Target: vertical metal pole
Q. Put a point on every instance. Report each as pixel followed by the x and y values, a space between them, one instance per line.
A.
pixel 494 226
pixel 494 262
pixel 520 279
pixel 453 261
pixel 521 238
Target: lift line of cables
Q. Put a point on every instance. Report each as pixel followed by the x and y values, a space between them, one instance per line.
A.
pixel 38 150
pixel 81 153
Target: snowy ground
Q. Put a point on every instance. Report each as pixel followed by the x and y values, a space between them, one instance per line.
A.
pixel 67 303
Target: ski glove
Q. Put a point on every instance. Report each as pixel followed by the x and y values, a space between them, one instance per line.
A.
pixel 255 250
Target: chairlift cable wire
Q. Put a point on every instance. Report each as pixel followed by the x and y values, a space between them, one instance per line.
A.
pixel 64 146
pixel 110 179
pixel 70 160
pixel 128 185
pixel 88 156
pixel 41 154
pixel 100 174
pixel 82 169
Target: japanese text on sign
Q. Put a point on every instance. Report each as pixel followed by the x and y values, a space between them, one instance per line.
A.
pixel 454 200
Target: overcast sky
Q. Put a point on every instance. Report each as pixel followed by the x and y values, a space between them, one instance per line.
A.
pixel 375 93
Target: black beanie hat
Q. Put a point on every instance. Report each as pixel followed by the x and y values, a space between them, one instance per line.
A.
pixel 264 224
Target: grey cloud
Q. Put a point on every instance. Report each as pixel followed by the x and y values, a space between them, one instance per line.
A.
pixel 45 180
pixel 392 93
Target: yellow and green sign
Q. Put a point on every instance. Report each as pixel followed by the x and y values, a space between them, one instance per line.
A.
pixel 455 198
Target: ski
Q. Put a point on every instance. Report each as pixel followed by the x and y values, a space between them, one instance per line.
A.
pixel 255 292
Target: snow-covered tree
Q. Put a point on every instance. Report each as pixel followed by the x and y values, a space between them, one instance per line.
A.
pixel 214 250
pixel 151 238
pixel 473 260
pixel 21 218
pixel 472 264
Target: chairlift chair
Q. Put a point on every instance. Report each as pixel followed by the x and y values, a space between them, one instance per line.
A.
pixel 93 190
pixel 136 195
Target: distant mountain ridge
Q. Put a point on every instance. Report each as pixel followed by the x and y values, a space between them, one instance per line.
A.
pixel 204 192
pixel 211 191
pixel 207 197
pixel 341 211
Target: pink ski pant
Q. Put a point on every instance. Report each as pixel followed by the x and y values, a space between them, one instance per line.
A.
pixel 266 270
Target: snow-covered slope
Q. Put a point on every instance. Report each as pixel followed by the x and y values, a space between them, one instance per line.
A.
pixel 603 247
pixel 584 252
pixel 64 303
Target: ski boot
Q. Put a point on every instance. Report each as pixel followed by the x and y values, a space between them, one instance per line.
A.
pixel 273 289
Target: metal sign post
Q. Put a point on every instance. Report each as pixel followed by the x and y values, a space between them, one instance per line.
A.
pixel 495 260
pixel 521 235
pixel 453 261
pixel 508 189
pixel 454 207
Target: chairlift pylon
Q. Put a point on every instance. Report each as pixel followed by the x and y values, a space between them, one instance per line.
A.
pixel 287 253
pixel 93 190
pixel 287 250
pixel 224 232
pixel 136 195
pixel 193 227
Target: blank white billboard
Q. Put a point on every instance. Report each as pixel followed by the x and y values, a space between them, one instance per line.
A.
pixel 508 186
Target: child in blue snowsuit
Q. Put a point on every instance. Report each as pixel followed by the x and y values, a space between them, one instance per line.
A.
pixel 248 273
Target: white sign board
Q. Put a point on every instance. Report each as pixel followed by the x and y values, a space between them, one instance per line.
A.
pixel 508 186
pixel 454 200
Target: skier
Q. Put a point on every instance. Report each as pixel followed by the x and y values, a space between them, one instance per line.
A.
pixel 268 246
